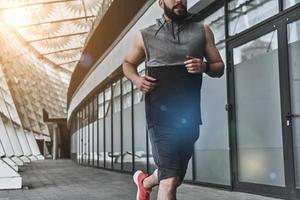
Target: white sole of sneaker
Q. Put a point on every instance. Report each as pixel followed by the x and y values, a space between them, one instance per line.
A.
pixel 136 181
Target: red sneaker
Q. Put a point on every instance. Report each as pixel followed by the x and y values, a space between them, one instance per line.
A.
pixel 142 193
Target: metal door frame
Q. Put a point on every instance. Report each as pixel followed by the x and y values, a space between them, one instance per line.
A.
pixel 278 23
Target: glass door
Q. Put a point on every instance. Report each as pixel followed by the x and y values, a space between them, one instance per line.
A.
pixel 258 143
pixel 258 111
pixel 264 88
pixel 293 37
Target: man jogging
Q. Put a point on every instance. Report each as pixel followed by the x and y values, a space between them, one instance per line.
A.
pixel 173 50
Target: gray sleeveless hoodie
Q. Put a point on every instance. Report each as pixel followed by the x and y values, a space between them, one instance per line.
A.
pixel 176 99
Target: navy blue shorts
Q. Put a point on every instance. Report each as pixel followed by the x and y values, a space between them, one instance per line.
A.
pixel 172 148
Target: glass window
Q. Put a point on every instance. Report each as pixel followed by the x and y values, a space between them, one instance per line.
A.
pixel 95 132
pixel 116 99
pixel 137 94
pixel 100 106
pixel 117 125
pixel 78 135
pixel 90 134
pixel 82 135
pixel 294 61
pixel 216 22
pixel 212 163
pixel 258 112
pixel 108 133
pixel 85 135
pixel 126 86
pixel 127 125
pixel 95 104
pixel 244 14
pixel 107 100
pixel 289 3
pixel 140 137
pixel 101 151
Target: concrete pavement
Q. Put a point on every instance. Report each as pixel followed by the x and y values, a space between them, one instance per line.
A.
pixel 65 180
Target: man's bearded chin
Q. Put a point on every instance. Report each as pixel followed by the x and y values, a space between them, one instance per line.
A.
pixel 170 13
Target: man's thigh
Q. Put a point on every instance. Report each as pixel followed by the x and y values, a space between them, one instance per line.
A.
pixel 172 148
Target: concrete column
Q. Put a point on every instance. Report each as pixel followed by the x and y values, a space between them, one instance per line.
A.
pixel 23 141
pixel 32 143
pixel 9 178
pixel 5 141
pixel 45 148
pixel 54 142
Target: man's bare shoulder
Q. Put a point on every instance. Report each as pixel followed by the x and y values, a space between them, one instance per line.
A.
pixel 207 29
pixel 138 40
pixel 209 35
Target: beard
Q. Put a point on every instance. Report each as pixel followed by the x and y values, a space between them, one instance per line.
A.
pixel 170 12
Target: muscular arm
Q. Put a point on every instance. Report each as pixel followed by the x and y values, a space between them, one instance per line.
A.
pixel 132 60
pixel 212 55
pixel 135 56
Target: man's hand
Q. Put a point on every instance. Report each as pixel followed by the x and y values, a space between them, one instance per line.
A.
pixel 145 83
pixel 195 65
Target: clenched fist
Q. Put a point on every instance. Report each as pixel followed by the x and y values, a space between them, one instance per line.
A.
pixel 195 65
pixel 145 83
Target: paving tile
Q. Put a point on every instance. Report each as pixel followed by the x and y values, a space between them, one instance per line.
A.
pixel 66 180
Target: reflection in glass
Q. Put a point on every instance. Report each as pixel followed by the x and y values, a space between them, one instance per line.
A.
pixel 258 112
pixel 211 149
pixel 137 94
pixel 95 143
pixel 244 14
pixel 79 135
pixel 294 61
pixel 126 86
pixel 85 135
pixel 95 132
pixel 256 48
pixel 116 100
pixel 127 125
pixel 289 3
pixel 107 118
pixel 140 147
pixel 116 125
pixel 216 22
pixel 90 134
pixel 100 129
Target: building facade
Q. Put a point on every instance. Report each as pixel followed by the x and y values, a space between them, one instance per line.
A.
pixel 18 146
pixel 250 137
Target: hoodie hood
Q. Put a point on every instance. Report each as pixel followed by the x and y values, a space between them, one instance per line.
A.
pixel 175 27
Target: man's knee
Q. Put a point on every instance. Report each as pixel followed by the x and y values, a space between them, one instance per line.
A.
pixel 179 183
pixel 169 184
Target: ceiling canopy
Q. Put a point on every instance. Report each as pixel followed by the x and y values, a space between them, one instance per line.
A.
pixel 56 29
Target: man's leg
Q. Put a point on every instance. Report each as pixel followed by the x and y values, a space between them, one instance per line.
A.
pixel 144 184
pixel 151 181
pixel 167 188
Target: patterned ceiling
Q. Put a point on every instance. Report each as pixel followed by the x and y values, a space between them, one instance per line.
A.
pixel 56 29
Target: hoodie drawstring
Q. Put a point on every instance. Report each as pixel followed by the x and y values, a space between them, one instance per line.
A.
pixel 160 27
pixel 179 29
